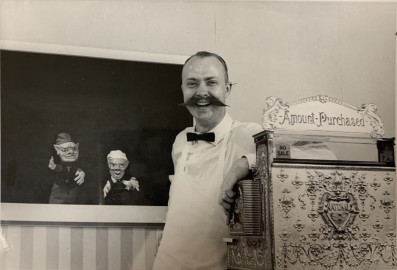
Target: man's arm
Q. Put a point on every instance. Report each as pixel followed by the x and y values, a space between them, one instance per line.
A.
pixel 239 170
pixel 245 158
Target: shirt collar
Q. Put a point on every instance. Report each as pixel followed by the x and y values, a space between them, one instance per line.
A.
pixel 222 129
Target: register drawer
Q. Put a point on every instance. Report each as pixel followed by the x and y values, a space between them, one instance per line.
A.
pixel 333 217
pixel 248 253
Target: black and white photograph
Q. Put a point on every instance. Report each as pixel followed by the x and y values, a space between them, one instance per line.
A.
pixel 61 110
pixel 162 135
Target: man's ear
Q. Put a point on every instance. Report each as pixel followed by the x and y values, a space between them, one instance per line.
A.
pixel 228 88
pixel 57 149
pixel 77 146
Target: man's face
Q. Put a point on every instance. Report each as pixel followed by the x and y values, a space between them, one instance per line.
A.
pixel 117 167
pixel 68 152
pixel 203 83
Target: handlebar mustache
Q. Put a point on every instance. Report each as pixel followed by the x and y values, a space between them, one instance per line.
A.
pixel 211 99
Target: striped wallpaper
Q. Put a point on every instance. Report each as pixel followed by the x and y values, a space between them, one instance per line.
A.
pixel 62 247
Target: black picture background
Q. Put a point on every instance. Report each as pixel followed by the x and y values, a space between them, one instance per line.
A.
pixel 104 104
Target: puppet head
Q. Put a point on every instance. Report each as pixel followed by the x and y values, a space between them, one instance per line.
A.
pixel 118 163
pixel 67 150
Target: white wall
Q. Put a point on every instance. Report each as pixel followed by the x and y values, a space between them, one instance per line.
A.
pixel 287 50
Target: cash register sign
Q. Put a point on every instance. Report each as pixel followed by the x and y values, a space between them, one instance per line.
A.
pixel 322 113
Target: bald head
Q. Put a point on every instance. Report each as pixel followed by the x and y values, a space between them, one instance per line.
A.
pixel 203 54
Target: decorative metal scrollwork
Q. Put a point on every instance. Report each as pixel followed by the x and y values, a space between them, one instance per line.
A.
pixel 377 226
pixel 370 111
pixel 286 203
pixel 314 235
pixel 269 116
pixel 375 185
pixel 387 205
pixel 364 235
pixel 302 201
pixel 247 253
pixel 388 179
pixel 313 215
pixel 299 226
pixel 282 176
pixel 284 235
pixel 363 216
pixel 296 182
pixel 337 255
pixel 347 229
pixel 262 159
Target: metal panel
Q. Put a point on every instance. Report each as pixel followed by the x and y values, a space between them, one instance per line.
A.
pixel 328 217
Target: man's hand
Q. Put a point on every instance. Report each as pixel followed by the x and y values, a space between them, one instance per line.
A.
pixel 79 177
pixel 51 164
pixel 106 189
pixel 131 184
pixel 238 171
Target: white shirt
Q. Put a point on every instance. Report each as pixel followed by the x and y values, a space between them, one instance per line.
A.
pixel 202 155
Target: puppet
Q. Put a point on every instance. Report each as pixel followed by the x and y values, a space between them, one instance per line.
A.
pixel 68 177
pixel 117 190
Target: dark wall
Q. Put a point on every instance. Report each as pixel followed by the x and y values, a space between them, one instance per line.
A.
pixel 105 104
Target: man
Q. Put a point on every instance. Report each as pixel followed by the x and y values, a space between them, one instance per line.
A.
pixel 202 156
pixel 118 191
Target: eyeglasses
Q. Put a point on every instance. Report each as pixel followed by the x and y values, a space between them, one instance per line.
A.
pixel 120 166
pixel 67 149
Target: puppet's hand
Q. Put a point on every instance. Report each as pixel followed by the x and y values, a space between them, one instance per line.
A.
pixel 131 184
pixel 106 189
pixel 51 164
pixel 79 177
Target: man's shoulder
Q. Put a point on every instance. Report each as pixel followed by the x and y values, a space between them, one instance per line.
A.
pixel 245 129
pixel 182 135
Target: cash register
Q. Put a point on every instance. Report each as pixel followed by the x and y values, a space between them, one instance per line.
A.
pixel 320 211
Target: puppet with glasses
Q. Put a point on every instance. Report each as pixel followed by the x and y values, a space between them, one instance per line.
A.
pixel 117 190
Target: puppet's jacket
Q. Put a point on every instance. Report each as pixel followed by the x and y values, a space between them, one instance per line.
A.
pixel 65 174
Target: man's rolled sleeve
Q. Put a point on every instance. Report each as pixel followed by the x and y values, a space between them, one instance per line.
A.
pixel 251 158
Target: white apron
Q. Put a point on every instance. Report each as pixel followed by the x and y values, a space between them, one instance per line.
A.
pixel 195 224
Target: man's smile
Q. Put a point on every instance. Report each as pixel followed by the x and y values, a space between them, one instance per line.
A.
pixel 203 103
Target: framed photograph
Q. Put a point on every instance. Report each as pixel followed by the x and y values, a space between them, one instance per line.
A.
pixel 98 106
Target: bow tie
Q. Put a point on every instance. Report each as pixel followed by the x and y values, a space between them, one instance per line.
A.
pixel 209 137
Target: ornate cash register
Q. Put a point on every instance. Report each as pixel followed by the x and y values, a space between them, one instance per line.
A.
pixel 317 212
